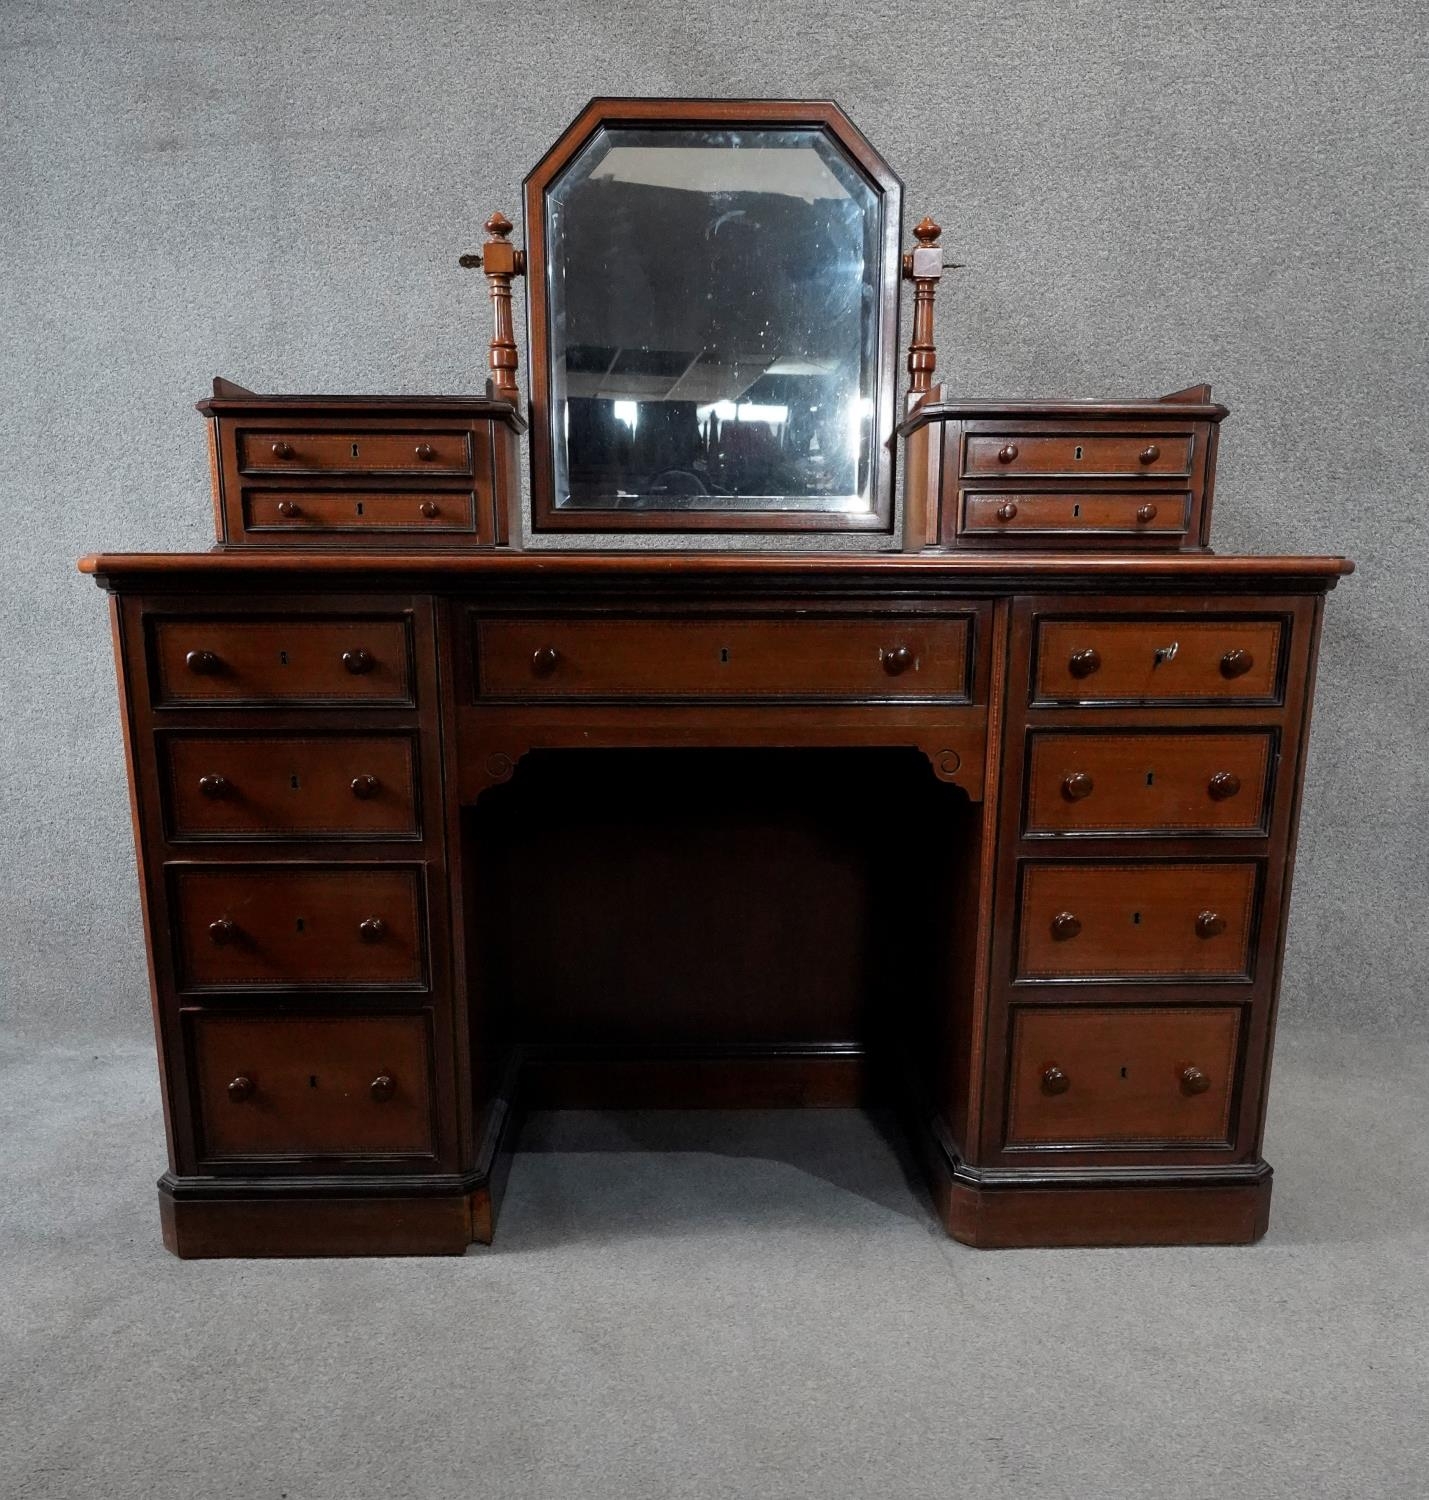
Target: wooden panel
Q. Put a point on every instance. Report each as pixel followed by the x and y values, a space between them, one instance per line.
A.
pixel 1083 921
pixel 1078 454
pixel 1081 1077
pixel 298 512
pixel 1106 512
pixel 899 657
pixel 355 452
pixel 286 926
pixel 224 661
pixel 313 1085
pixel 1164 660
pixel 284 786
pixel 1147 783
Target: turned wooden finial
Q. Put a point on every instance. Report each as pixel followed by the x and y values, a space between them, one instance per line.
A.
pixel 923 267
pixel 501 261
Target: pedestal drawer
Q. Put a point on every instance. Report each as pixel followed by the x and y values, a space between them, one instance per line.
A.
pixel 1136 921
pixel 337 1085
pixel 282 926
pixel 1123 1074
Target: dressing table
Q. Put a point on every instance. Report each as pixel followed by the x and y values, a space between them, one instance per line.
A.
pixel 717 772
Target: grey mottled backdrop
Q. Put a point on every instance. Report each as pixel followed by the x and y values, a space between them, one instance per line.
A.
pixel 1144 195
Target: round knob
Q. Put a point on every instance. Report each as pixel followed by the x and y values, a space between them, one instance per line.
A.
pixel 204 663
pixel 1007 454
pixel 1149 454
pixel 371 929
pixel 1146 513
pixel 425 451
pixel 1007 511
pixel 897 661
pixel 1236 662
pixel 1054 1080
pixel 1084 663
pixel 282 450
pixel 1077 785
pixel 358 661
pixel 365 787
pixel 224 930
pixel 1194 1081
pixel 383 1087
pixel 289 508
pixel 1066 925
pixel 428 508
pixel 213 786
pixel 1223 784
pixel 1210 924
pixel 544 660
pixel 241 1088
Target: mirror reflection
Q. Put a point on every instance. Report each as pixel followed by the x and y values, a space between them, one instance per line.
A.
pixel 713 305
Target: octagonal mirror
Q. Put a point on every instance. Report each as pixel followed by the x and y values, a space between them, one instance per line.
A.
pixel 713 308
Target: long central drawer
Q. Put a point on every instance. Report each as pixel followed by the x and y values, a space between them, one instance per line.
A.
pixel 912 656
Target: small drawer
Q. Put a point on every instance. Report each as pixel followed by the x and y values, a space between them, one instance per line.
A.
pixel 1083 1077
pixel 285 927
pixel 326 512
pixel 226 661
pixel 343 1085
pixel 286 787
pixel 1147 783
pixel 1136 921
pixel 298 452
pixel 908 657
pixel 1023 513
pixel 1078 455
pixel 1175 659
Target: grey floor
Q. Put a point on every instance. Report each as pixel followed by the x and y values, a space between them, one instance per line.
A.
pixel 752 1305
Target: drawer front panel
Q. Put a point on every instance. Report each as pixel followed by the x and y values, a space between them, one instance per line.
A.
pixel 276 661
pixel 281 787
pixel 914 657
pixel 313 1085
pixel 354 452
pixel 1136 921
pixel 1121 1075
pixel 1170 660
pixel 1078 455
pixel 280 926
pixel 343 511
pixel 1147 783
pixel 1104 513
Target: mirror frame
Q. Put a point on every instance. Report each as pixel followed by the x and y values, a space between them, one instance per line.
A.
pixel 719 114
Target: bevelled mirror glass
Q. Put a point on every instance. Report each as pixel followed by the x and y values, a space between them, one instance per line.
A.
pixel 713 303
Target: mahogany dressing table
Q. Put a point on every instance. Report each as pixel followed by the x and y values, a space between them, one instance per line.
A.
pixel 716 777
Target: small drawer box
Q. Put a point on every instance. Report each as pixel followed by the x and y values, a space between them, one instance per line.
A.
pixel 1089 513
pixel 1076 454
pixel 357 513
pixel 294 450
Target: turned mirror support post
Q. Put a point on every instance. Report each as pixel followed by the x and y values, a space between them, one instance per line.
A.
pixel 923 266
pixel 501 261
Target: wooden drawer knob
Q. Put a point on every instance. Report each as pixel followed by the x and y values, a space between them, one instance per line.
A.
pixel 213 786
pixel 203 663
pixel 544 660
pixel 282 450
pixel 383 1087
pixel 365 787
pixel 1054 1080
pixel 1210 924
pixel 1066 925
pixel 1149 454
pixel 1007 511
pixel 289 508
pixel 1146 513
pixel 224 930
pixel 1077 785
pixel 1084 663
pixel 1194 1081
pixel 428 508
pixel 241 1088
pixel 897 661
pixel 358 661
pixel 1236 662
pixel 1007 454
pixel 425 451
pixel 371 929
pixel 1222 785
